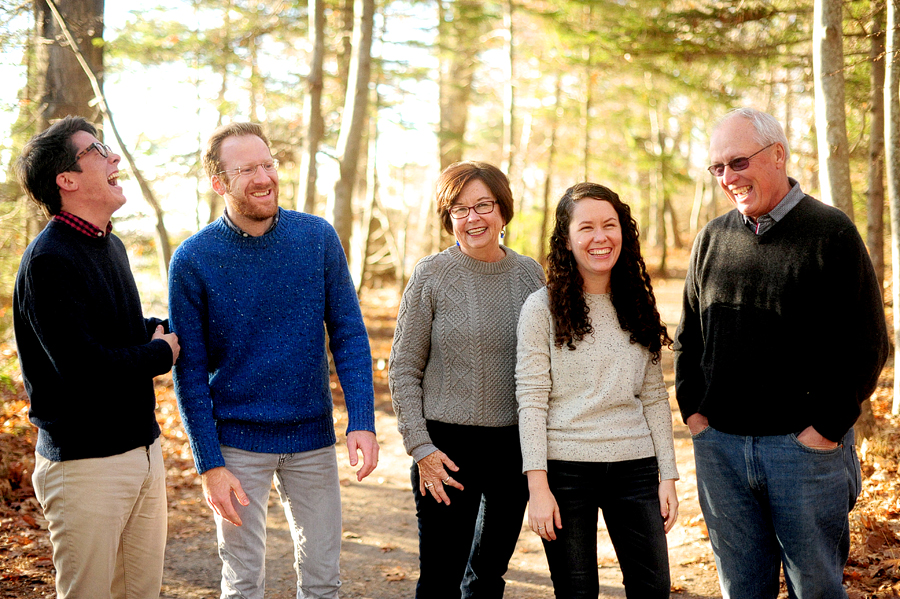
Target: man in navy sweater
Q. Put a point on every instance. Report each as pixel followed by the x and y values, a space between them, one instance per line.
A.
pixel 88 358
pixel 251 297
pixel 781 338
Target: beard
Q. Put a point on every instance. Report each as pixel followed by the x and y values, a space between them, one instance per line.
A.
pixel 252 208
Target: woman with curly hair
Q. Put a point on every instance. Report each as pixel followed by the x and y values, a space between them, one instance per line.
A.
pixel 594 418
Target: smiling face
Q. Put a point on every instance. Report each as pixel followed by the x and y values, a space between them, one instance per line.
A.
pixel 757 189
pixel 479 234
pixel 94 193
pixel 595 240
pixel 252 201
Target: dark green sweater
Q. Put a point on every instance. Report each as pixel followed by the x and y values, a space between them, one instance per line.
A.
pixel 84 346
pixel 783 330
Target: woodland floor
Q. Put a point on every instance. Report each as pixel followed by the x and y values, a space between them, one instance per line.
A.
pixel 379 554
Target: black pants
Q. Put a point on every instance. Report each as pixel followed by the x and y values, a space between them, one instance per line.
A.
pixel 464 547
pixel 628 494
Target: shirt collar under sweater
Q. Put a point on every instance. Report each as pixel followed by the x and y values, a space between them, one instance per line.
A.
pixel 480 266
pixel 767 221
pixel 82 226
pixel 230 223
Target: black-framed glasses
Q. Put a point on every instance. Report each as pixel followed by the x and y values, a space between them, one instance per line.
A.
pixel 738 164
pixel 102 149
pixel 460 211
pixel 249 170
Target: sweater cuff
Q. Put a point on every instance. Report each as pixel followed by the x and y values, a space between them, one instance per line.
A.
pixel 423 451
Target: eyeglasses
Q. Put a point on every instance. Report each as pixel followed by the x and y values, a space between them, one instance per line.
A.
pixel 738 164
pixel 250 170
pixel 459 211
pixel 102 149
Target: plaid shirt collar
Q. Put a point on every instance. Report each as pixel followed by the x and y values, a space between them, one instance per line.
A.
pixel 82 226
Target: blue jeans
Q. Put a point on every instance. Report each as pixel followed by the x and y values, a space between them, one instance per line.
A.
pixel 307 483
pixel 772 501
pixel 464 547
pixel 628 494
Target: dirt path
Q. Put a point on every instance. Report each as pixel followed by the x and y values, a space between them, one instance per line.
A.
pixel 379 553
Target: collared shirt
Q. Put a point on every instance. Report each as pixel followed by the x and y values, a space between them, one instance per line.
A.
pixel 230 224
pixel 81 225
pixel 767 221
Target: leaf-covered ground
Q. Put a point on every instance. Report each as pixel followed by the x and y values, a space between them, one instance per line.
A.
pixel 378 560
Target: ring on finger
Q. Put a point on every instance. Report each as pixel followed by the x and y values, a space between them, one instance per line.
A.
pixel 446 480
pixel 429 485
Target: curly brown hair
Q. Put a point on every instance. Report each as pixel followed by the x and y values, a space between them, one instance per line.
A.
pixel 630 289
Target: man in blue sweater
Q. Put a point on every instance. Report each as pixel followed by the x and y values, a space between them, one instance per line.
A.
pixel 251 297
pixel 781 338
pixel 88 358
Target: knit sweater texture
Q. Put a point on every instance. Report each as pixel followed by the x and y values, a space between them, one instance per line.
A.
pixel 84 346
pixel 782 330
pixel 454 352
pixel 251 314
pixel 604 401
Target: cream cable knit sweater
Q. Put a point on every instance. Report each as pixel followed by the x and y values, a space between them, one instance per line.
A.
pixel 454 353
pixel 603 402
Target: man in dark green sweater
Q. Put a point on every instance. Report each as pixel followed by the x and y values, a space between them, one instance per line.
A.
pixel 782 336
pixel 88 358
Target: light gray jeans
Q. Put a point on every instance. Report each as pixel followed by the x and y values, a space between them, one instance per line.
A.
pixel 308 486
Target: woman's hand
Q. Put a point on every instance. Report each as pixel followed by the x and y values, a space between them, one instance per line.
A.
pixel 543 511
pixel 433 476
pixel 668 503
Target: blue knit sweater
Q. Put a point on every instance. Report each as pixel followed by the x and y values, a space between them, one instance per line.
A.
pixel 251 316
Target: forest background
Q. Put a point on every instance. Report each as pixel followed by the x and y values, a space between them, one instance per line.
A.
pixel 366 102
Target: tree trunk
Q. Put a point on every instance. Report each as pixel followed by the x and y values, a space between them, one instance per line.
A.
pixel 460 24
pixel 509 94
pixel 353 120
pixel 892 164
pixel 312 106
pixel 831 125
pixel 551 157
pixel 344 42
pixel 875 195
pixel 459 29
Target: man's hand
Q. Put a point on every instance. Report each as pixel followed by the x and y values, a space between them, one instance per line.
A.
pixel 218 485
pixel 170 338
pixel 811 438
pixel 697 422
pixel 365 442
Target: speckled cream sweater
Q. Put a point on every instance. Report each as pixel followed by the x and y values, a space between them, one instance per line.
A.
pixel 454 353
pixel 603 402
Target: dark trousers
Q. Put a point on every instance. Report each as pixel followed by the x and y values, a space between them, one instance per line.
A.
pixel 464 547
pixel 628 494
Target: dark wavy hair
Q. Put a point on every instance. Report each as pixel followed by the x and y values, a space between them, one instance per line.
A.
pixel 630 288
pixel 46 155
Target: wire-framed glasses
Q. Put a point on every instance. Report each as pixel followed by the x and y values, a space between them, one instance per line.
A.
pixel 738 164
pixel 250 169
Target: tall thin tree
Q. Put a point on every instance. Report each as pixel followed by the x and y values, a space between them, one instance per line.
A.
pixel 353 119
pixel 831 119
pixel 892 164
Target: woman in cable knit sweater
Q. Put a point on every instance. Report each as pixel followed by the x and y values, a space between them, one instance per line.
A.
pixel 452 378
pixel 594 416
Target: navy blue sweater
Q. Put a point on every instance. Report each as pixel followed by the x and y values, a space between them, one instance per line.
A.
pixel 84 346
pixel 251 315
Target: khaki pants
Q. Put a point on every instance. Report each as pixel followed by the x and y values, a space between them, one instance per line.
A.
pixel 107 520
